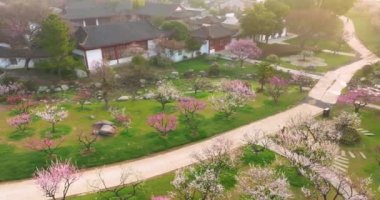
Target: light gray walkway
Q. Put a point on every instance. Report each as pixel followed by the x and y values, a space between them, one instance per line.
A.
pixel 327 90
pixel 339 53
pixel 373 106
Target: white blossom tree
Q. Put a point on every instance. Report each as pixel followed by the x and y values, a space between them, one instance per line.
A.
pixel 166 93
pixel 263 184
pixel 53 114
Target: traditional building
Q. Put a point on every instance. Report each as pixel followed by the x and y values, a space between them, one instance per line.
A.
pixel 111 43
pixel 216 36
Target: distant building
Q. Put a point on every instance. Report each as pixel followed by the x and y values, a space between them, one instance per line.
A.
pixel 110 42
pixel 216 36
pixel 95 12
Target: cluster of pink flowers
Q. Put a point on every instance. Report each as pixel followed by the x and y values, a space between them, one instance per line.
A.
pixel 19 121
pixel 163 123
pixel 83 95
pixel 191 105
pixel 42 144
pixel 360 97
pixel 124 120
pixel 278 82
pixel 58 173
pixel 244 49
pixel 238 87
pixel 14 99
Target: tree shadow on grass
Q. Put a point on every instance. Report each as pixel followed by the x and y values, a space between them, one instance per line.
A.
pixel 60 130
pixel 21 134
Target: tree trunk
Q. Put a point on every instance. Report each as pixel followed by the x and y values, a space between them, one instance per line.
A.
pixel 27 61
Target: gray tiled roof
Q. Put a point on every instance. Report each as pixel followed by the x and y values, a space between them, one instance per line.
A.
pixel 81 9
pixel 92 37
pixel 212 32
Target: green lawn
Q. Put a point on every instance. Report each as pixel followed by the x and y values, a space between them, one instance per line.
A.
pixel 334 62
pixel 370 146
pixel 17 162
pixel 227 68
pixel 365 31
pixel 161 186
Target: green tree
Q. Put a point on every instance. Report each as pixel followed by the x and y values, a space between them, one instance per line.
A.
pixel 312 24
pixel 259 21
pixel 193 45
pixel 181 32
pixel 338 7
pixel 264 72
pixel 280 10
pixel 54 38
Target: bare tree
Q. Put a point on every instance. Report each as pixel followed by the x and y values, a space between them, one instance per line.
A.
pixel 87 141
pixel 106 76
pixel 119 191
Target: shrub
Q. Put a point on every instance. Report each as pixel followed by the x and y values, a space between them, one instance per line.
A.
pixel 139 60
pixel 350 136
pixel 263 158
pixel 160 61
pixel 294 177
pixel 214 69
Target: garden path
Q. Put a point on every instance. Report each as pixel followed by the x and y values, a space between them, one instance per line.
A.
pixel 327 90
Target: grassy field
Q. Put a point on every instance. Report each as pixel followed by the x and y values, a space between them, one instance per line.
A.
pixel 161 186
pixel 19 162
pixel 333 61
pixel 365 31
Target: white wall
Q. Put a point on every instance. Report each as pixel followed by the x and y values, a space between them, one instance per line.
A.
pixel 151 48
pixel 6 64
pixel 93 58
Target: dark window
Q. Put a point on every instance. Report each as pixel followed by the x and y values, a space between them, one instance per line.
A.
pixel 13 61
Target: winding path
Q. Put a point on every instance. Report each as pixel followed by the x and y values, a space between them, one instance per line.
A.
pixel 325 92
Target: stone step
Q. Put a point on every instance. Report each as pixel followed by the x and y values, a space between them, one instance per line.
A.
pixel 341 165
pixel 343 153
pixel 369 134
pixel 340 168
pixel 360 129
pixel 364 131
pixel 341 158
pixel 362 155
pixel 341 161
pixel 351 154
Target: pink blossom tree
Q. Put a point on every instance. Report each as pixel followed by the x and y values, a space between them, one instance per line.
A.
pixel 301 80
pixel 10 89
pixel 244 49
pixel 20 121
pixel 236 94
pixel 82 96
pixel 121 118
pixel 53 115
pixel 189 107
pixel 163 123
pixel 277 87
pixel 359 98
pixel 58 174
pixel 46 145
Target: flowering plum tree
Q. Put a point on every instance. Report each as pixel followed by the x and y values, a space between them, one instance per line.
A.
pixel 20 121
pixel 163 123
pixel 196 183
pixel 264 183
pixel 277 87
pixel 46 145
pixel 121 118
pixel 301 80
pixel 57 174
pixel 244 49
pixel 309 142
pixel 53 115
pixel 359 97
pixel 189 107
pixel 82 96
pixel 87 141
pixel 166 93
pixel 236 94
